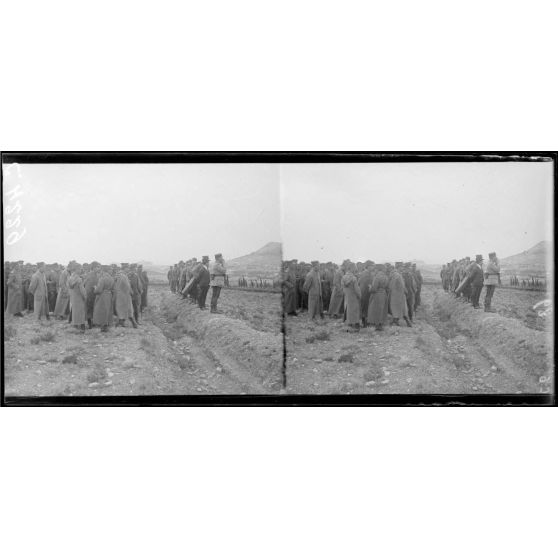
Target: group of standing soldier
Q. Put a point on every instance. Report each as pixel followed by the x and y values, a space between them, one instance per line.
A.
pixel 466 279
pixel 192 280
pixel 362 294
pixel 91 294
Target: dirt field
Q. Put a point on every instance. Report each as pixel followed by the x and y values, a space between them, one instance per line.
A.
pixel 178 349
pixel 451 349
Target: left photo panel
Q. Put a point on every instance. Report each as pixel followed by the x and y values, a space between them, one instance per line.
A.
pixel 142 279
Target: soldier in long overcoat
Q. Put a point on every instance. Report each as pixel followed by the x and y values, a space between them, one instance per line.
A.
pixel 14 305
pixel 63 300
pixel 123 299
pixel 38 288
pixel 378 305
pixel 352 296
pixel 313 286
pixel 410 288
pixel 397 296
pixel 288 287
pixel 364 280
pixel 91 280
pixel 136 286
pixel 52 286
pixel 102 312
pixel 145 286
pixel 326 274
pixel 77 298
pixel 336 302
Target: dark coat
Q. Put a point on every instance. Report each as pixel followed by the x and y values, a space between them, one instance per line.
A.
pixel 378 307
pixel 201 273
pixel 102 313
pixel 63 299
pixel 364 281
pixel 38 288
pixel 336 301
pixel 145 284
pixel 289 292
pixel 397 296
pixel 476 275
pixel 351 292
pixel 136 286
pixel 90 283
pixel 77 299
pixel 123 298
pixel 15 293
pixel 313 286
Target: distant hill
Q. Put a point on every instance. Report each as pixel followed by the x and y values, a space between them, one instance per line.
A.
pixel 264 263
pixel 535 261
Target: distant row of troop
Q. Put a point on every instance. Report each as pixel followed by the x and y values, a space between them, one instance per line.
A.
pixel 192 280
pixel 466 279
pixel 362 294
pixel 82 293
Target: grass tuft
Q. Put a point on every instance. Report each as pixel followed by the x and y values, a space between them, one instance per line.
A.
pixel 322 336
pixel 9 332
pixel 348 357
pixel 70 359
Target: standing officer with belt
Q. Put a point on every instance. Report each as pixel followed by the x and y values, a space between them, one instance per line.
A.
pixel 492 278
pixel 217 273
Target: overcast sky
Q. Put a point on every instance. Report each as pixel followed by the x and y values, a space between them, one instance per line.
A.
pixel 385 211
pixel 125 213
pixel 426 211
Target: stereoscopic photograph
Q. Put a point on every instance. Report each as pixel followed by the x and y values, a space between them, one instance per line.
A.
pixel 142 279
pixel 282 279
pixel 419 278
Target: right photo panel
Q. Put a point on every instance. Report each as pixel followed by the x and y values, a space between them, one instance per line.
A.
pixel 418 278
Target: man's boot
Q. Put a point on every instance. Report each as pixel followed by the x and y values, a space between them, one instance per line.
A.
pixel 134 323
pixel 89 323
pixel 408 321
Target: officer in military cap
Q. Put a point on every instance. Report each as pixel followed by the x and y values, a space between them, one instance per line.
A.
pixel 492 278
pixel 476 281
pixel 217 273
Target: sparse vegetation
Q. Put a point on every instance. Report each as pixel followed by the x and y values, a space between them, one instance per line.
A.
pixel 9 332
pixel 70 359
pixel 147 345
pixel 48 337
pixel 183 362
pixel 97 375
pixel 322 335
pixel 174 332
pixel 348 357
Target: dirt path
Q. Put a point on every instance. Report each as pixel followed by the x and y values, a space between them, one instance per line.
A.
pixel 434 356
